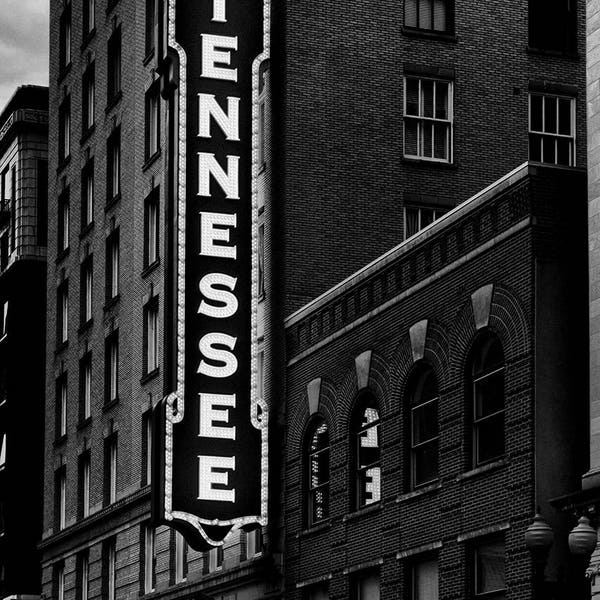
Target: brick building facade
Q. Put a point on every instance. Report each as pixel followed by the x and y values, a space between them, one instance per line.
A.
pixel 23 210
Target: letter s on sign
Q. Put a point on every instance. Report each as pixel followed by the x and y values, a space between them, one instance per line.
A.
pixel 209 290
pixel 207 348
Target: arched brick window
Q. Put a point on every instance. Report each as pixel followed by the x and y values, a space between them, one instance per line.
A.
pixel 366 452
pixel 317 471
pixel 486 372
pixel 422 390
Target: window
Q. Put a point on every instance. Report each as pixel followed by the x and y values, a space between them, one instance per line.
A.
pixel 149 577
pixel 85 387
pixel 553 25
pixel 2 451
pixel 151 26
pixel 253 542
pixel 86 289
pixel 114 66
pixel 62 321
pixel 113 166
pixel 111 358
pixel 110 469
pixel 181 550
pixel 65 38
pixel 89 16
pixel 151 335
pixel 487 385
pixel 64 129
pixel 112 265
pixel 418 217
pixel 215 559
pixel 424 429
pixel 61 406
pixel 552 129
pixel 261 259
pixel 59 581
pixel 317 592
pixel 83 576
pixel 42 202
pixel 63 222
pixel 366 586
pixel 489 577
pixel 428 119
pixel 147 448
pixel 109 568
pixel 84 484
pixel 88 95
pixel 151 224
pixel 429 15
pixel 60 498
pixel 152 121
pixel 317 464
pixel 425 580
pixel 87 194
pixel 367 469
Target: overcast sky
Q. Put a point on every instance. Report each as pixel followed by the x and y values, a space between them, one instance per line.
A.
pixel 23 45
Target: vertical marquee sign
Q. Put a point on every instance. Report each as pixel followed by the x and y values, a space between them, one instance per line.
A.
pixel 211 445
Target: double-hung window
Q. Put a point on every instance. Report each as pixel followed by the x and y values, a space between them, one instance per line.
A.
pixel 65 38
pixel 83 576
pixel 88 95
pixel 113 166
pixel 489 572
pixel 111 373
pixel 425 579
pixel 149 558
pixel 152 121
pixel 110 469
pixel 109 568
pixel 151 228
pixel 64 222
pixel 428 116
pixel 84 484
pixel 62 309
pixel 60 491
pixel 552 129
pixel 365 586
pixel 89 16
pixel 429 15
pixel 151 335
pixel 64 129
pixel 112 265
pixel 181 551
pixel 61 406
pixel 87 289
pixel 87 194
pixel 114 66
pixel 419 217
pixel 85 387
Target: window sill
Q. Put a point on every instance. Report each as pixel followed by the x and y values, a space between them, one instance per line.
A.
pixel 61 347
pixel 429 34
pixel 422 491
pixel 151 160
pixel 62 163
pixel 110 404
pixel 110 202
pixel 87 228
pixel 148 58
pixel 84 423
pixel 491 466
pixel 367 510
pixel 150 268
pixel 62 255
pixel 555 53
pixel 85 326
pixel 87 38
pixel 59 441
pixel 314 529
pixel 113 101
pixel 64 71
pixel 429 163
pixel 149 376
pixel 85 136
pixel 111 302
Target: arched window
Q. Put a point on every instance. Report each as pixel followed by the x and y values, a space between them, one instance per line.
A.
pixel 367 455
pixel 424 428
pixel 317 462
pixel 487 389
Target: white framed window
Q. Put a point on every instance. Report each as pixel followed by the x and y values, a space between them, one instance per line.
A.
pixel 111 383
pixel 61 406
pixel 180 558
pixel 62 498
pixel 215 559
pixel 151 335
pixel 84 566
pixel 110 469
pixel 64 222
pixel 60 582
pixel 418 217
pixel 85 485
pixel 429 15
pixel 428 119
pixel 489 580
pixel 149 558
pixel 425 580
pixel 552 129
pixel 111 570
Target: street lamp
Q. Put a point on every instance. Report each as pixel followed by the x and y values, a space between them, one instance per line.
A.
pixel 539 538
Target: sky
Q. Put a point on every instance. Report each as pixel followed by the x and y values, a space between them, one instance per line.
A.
pixel 23 45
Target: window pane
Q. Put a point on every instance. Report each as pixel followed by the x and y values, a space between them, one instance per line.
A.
pixel 549 150
pixel 368 587
pixel 425 580
pixel 426 463
pixel 425 422
pixel 412 221
pixel 412 97
pixel 490 438
pixel 441 142
pixel 410 13
pixel 535 116
pixel 426 139
pixel 490 568
pixel 441 100
pixel 489 394
pixel 410 138
pixel 439 15
pixel 427 98
pixel 564 116
pixel 564 154
pixel 425 19
pixel 535 147
pixel 550 114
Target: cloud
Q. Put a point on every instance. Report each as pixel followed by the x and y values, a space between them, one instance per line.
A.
pixel 23 45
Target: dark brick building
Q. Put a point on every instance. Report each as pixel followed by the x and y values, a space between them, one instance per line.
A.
pixel 23 214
